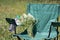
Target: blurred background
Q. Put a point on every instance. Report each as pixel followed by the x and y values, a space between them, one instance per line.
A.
pixel 11 8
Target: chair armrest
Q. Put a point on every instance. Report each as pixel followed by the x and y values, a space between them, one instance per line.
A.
pixel 55 24
pixel 11 21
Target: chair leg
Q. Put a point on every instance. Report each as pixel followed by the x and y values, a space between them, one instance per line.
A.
pixel 51 39
pixel 24 39
pixel 54 38
pixel 47 39
pixel 18 38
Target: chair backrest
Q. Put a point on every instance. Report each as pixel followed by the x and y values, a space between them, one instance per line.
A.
pixel 43 13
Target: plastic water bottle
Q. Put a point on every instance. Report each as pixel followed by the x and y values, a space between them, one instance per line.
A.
pixel 17 20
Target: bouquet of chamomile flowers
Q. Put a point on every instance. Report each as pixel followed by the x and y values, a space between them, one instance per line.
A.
pixel 27 21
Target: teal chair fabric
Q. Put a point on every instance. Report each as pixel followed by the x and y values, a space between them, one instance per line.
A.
pixel 44 14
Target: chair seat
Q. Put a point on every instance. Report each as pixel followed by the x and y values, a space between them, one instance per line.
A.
pixel 38 35
pixel 45 34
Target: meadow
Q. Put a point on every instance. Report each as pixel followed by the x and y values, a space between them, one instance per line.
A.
pixel 9 9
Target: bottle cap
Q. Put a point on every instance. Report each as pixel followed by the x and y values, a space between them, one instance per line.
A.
pixel 18 17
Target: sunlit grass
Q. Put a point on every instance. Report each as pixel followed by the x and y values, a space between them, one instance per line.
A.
pixel 9 9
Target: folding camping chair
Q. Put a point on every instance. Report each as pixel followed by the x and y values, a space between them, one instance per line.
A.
pixel 46 15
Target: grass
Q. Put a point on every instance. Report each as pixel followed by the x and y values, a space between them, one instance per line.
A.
pixel 9 9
